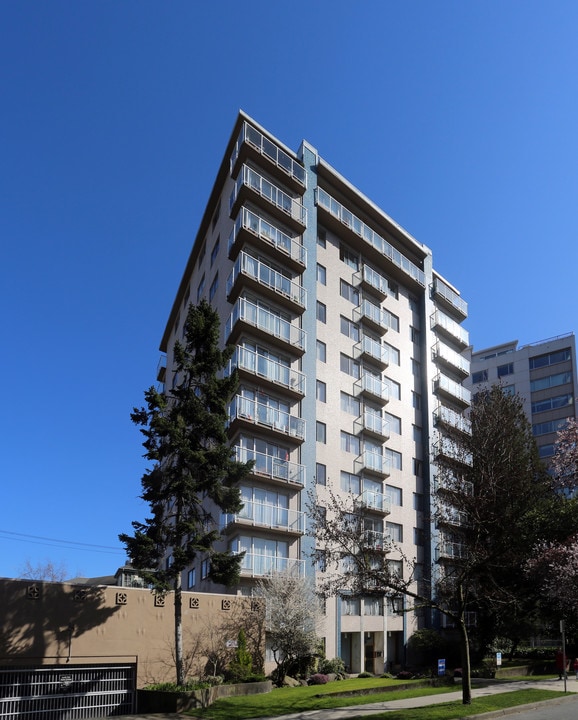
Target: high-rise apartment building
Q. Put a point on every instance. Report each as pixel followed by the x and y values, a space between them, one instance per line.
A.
pixel 542 373
pixel 350 354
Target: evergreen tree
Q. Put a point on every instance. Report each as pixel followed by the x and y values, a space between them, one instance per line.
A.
pixel 194 476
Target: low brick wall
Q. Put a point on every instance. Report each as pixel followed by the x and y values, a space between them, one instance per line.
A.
pixel 162 701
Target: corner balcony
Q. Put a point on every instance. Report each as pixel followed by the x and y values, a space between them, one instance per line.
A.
pixel 252 187
pixel 450 329
pixel 448 450
pixel 252 228
pixel 375 502
pixel 371 315
pixel 259 565
pixel 252 144
pixel 452 391
pixel 244 412
pixel 452 485
pixel 451 551
pixel 372 424
pixel 275 469
pixel 369 279
pixel 450 299
pixel 374 540
pixel 448 516
pixel 247 316
pixel 162 368
pixel 265 371
pixel 261 515
pixel 370 349
pixel 252 274
pixel 446 418
pixel 372 463
pixel 449 359
pixel 372 387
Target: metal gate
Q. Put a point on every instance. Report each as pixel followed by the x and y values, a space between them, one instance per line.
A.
pixel 65 692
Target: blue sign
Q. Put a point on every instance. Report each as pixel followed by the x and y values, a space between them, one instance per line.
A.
pixel 441 667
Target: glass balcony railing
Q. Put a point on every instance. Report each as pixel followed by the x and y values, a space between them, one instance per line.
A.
pixel 270 516
pixel 264 188
pixel 375 501
pixel 255 224
pixel 450 296
pixel 267 416
pixel 376 540
pixel 268 277
pixel 264 367
pixel 268 149
pixel 452 450
pixel 452 358
pixel 453 550
pixel 370 277
pixel 258 565
pixel 346 217
pixel 252 314
pixel 275 468
pixel 373 349
pixel 453 390
pixel 367 311
pixel 373 423
pixel 441 321
pixel 372 462
pixel 372 385
pixel 446 416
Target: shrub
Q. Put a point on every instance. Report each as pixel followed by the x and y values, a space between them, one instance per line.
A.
pixel 318 679
pixel 336 666
pixel 404 675
pixel 365 675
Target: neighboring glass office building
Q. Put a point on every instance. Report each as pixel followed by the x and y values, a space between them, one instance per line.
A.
pixel 351 358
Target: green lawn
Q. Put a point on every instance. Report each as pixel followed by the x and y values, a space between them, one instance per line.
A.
pixel 282 701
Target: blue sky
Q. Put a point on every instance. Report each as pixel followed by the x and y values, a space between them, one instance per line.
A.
pixel 458 118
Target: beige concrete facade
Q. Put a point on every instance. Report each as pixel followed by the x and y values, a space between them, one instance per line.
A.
pixel 61 624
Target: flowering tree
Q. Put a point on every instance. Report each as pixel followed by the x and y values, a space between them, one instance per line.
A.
pixel 565 461
pixel 555 570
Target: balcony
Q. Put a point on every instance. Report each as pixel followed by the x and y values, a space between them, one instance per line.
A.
pixel 245 412
pixel 453 485
pixel 374 540
pixel 272 517
pixel 372 315
pixel 370 349
pixel 452 517
pixel 449 328
pixel 451 551
pixel 372 424
pixel 251 227
pixel 446 418
pixel 453 391
pixel 253 144
pixel 448 449
pixel 369 279
pixel 262 369
pixel 451 360
pixel 373 463
pixel 449 299
pixel 250 273
pixel 375 501
pixel 264 324
pixel 275 469
pixel 259 565
pixel 162 369
pixel 250 186
pixel 372 387
pixel 360 231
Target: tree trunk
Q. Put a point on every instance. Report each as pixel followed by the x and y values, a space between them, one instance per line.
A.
pixel 466 670
pixel 179 631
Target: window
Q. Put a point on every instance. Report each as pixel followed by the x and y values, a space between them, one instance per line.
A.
pixel 394 458
pixel 418 467
pixel 393 354
pixel 509 389
pixel 395 531
pixel 349 329
pixel 548 427
pixel 349 366
pixel 417 434
pixel 214 287
pixel 418 503
pixel 215 250
pixel 201 288
pixel 416 400
pixel 372 606
pixel 480 376
pixel 321 432
pixel 348 292
pixel 348 257
pixel 169 561
pixel 552 403
pixel 394 423
pixel 551 381
pixel 191 578
pixel 204 569
pixel 415 368
pixel 392 320
pixel 349 443
pixel 350 404
pixel 350 483
pixel 321 391
pixel 321 274
pixel 321 474
pixel 321 351
pixel 507 369
pixel 321 312
pixel 395 495
pixel 321 237
pixel 546 451
pixel 550 359
pixel 418 536
pixel 394 388
pixel 415 334
pixel 350 606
